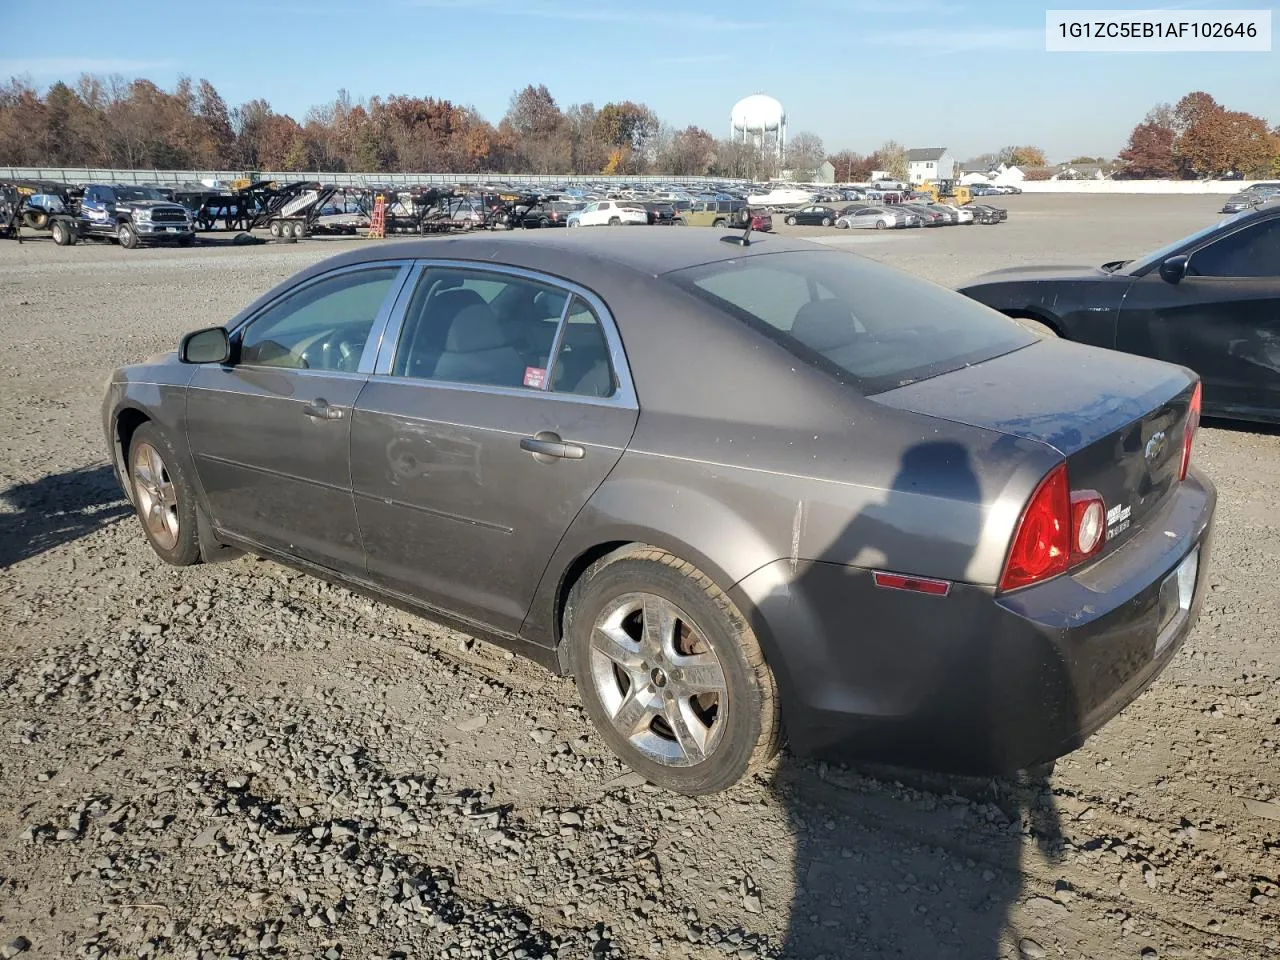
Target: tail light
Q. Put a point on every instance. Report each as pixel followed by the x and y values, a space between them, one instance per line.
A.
pixel 1058 530
pixel 1189 431
pixel 1042 543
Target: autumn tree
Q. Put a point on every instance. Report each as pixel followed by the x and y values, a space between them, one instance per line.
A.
pixel 805 154
pixel 1149 153
pixel 1023 157
pixel 689 153
pixel 851 166
pixel 540 128
pixel 892 158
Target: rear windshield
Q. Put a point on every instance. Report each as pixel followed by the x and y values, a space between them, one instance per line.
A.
pixel 863 323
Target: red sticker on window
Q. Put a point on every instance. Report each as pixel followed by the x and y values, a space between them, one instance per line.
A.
pixel 535 377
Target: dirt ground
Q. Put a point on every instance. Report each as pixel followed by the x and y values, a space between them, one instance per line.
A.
pixel 236 760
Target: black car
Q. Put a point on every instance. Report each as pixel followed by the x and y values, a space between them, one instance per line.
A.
pixel 985 213
pixel 661 213
pixel 813 215
pixel 1210 301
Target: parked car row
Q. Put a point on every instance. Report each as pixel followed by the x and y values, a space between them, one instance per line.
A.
pixel 899 216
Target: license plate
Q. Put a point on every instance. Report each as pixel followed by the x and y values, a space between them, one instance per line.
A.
pixel 173 229
pixel 1177 590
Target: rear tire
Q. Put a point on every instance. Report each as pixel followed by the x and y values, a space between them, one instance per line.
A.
pixel 61 233
pixel 274 228
pixel 162 497
pixel 614 222
pixel 880 225
pixel 710 646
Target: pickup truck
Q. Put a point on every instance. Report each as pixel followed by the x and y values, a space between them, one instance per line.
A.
pixel 133 215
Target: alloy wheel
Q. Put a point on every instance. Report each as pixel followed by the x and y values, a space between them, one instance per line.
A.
pixel 157 498
pixel 658 679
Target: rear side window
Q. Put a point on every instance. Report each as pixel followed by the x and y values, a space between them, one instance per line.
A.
pixel 865 324
pixel 470 326
pixel 582 364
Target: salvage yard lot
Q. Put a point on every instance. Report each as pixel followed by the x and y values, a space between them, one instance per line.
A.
pixel 242 760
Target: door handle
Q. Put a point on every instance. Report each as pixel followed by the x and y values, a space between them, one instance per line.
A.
pixel 319 409
pixel 546 446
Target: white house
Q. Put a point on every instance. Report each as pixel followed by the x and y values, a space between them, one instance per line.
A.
pixel 1079 171
pixel 930 163
pixel 1005 174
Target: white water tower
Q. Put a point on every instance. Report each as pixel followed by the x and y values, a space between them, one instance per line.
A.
pixel 761 118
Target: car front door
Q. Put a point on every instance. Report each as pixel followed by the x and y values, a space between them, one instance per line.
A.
pixel 1221 320
pixel 501 407
pixel 270 430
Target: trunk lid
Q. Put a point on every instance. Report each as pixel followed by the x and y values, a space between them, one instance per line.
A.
pixel 1117 419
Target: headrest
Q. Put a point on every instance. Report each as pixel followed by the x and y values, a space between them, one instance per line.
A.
pixel 475 328
pixel 824 325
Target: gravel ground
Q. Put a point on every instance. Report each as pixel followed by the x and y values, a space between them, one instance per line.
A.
pixel 239 761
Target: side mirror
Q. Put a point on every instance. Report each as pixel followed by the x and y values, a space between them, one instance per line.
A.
pixel 205 346
pixel 1174 269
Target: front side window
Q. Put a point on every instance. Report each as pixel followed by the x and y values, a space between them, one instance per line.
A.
pixel 477 327
pixel 1251 252
pixel 866 325
pixel 323 326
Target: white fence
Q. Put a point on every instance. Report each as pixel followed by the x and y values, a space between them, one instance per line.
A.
pixel 175 177
pixel 1181 187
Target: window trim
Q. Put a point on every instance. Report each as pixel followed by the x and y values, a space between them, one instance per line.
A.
pixel 377 332
pixel 625 394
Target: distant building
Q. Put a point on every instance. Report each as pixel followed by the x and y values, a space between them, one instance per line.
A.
pixel 1006 174
pixel 930 163
pixel 1080 171
pixel 826 173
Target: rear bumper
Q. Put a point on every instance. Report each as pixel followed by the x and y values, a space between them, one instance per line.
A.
pixel 974 682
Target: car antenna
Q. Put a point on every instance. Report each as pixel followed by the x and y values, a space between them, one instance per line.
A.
pixel 745 239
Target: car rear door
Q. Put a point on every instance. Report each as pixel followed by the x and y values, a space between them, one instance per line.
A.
pixel 270 431
pixel 499 404
pixel 1222 320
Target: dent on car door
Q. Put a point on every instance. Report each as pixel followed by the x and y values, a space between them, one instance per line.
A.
pixel 489 424
pixel 1221 320
pixel 269 431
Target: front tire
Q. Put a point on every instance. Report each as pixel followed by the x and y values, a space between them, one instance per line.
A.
pixel 791 221
pixel 615 222
pixel 880 225
pixel 163 497
pixel 127 236
pixel 670 672
pixel 826 221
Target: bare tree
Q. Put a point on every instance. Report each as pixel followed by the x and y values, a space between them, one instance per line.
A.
pixel 805 154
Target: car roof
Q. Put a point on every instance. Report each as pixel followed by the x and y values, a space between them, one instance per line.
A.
pixel 569 252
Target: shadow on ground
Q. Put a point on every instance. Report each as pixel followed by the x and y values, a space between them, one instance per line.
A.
pixel 890 863
pixel 57 509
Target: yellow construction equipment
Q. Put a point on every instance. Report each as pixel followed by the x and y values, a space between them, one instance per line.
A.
pixel 947 191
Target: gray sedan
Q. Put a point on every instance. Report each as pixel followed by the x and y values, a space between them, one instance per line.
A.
pixel 875 218
pixel 732 488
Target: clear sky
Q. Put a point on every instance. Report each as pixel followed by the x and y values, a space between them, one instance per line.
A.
pixel 970 76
